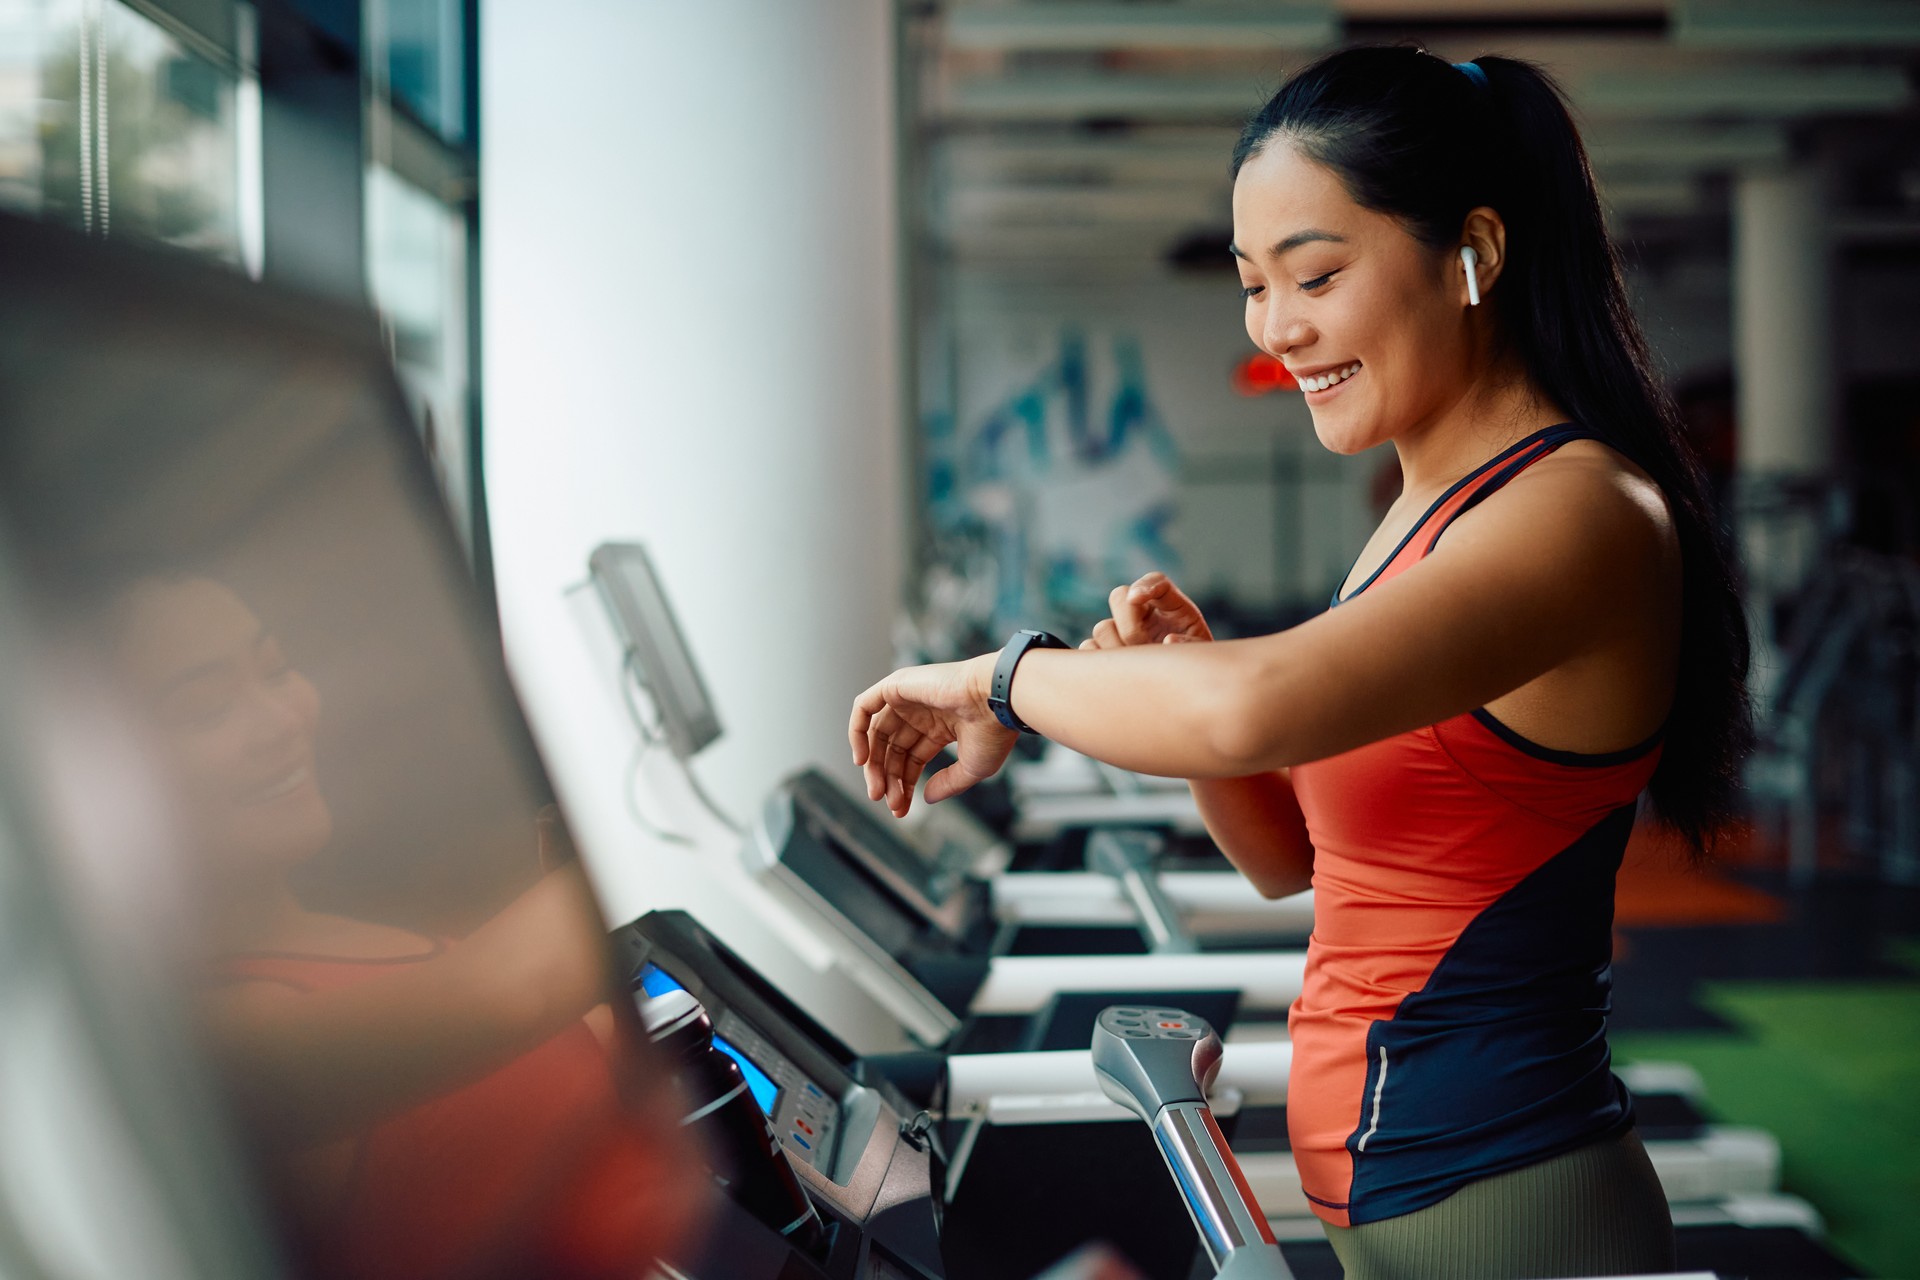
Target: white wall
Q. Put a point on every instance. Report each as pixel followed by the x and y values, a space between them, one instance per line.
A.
pixel 691 340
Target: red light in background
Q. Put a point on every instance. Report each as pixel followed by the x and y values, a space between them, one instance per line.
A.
pixel 1260 373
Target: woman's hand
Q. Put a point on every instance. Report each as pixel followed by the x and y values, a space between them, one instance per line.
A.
pixel 1149 611
pixel 904 721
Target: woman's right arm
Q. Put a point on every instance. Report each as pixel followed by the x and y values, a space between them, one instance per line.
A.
pixel 1255 821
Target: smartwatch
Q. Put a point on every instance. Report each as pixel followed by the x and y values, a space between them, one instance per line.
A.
pixel 1010 656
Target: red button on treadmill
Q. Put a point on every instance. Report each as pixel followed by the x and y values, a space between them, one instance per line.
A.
pixel 1172 1026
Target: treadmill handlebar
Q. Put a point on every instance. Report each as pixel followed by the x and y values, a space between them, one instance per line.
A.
pixel 1158 1063
pixel 1127 855
pixel 1148 1058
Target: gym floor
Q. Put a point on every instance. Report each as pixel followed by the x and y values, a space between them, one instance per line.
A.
pixel 1800 1008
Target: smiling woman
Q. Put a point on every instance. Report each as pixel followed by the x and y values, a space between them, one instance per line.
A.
pixel 234 721
pixel 1542 628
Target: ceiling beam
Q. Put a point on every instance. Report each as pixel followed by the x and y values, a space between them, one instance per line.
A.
pixel 1111 95
pixel 1796 27
pixel 1183 27
pixel 1767 92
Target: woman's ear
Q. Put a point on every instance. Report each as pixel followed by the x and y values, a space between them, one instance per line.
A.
pixel 1486 234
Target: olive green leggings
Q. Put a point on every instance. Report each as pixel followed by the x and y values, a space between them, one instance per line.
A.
pixel 1595 1211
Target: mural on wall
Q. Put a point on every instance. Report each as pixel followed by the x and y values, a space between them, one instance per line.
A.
pixel 1059 493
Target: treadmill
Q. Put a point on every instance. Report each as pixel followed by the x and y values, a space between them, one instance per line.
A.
pixel 858 1144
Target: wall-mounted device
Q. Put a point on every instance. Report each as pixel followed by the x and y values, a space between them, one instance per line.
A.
pixel 657 653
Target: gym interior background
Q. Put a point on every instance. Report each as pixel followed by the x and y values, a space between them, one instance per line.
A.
pixel 889 326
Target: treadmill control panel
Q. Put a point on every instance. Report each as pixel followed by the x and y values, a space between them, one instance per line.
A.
pixel 843 1130
pixel 804 1115
pixel 1133 1023
pixel 807 1120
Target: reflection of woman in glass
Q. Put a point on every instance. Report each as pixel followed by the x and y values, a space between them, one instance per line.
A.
pixel 427 1108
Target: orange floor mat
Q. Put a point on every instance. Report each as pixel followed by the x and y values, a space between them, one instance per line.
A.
pixel 1657 887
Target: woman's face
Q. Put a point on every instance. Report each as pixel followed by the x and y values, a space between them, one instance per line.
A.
pixel 233 723
pixel 1330 285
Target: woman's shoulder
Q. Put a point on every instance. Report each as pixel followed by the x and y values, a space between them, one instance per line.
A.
pixel 1601 488
pixel 1583 518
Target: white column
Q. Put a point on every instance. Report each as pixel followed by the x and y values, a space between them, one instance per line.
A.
pixel 1785 373
pixel 1783 323
pixel 691 339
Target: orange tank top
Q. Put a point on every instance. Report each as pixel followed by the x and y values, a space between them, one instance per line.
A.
pixel 1452 1024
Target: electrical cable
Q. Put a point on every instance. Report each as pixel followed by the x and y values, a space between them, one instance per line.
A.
pixel 707 801
pixel 651 736
pixel 649 739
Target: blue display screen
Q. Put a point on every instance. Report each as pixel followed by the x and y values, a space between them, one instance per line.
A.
pixel 764 1090
pixel 656 981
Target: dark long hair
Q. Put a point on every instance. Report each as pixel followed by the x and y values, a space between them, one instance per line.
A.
pixel 1418 139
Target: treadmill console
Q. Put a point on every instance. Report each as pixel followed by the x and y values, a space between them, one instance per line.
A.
pixel 915 933
pixel 847 1134
pixel 805 1116
pixel 935 886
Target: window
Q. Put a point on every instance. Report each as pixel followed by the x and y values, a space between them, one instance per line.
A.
pixel 417 276
pixel 111 123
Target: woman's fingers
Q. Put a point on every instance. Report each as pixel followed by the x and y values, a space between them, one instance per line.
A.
pixel 1149 585
pixel 1129 616
pixel 979 753
pixel 865 707
pixel 918 759
pixel 909 748
pixel 950 781
pixel 896 738
pixel 897 744
pixel 1170 610
pixel 875 766
pixel 900 724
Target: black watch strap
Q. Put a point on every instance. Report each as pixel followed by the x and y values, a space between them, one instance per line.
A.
pixel 1016 649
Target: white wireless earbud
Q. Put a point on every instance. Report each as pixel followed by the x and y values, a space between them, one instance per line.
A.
pixel 1469 257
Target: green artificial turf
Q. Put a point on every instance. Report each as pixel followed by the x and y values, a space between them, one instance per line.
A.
pixel 1832 1069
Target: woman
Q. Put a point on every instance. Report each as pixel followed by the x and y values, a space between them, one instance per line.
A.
pixel 422 1107
pixel 1452 756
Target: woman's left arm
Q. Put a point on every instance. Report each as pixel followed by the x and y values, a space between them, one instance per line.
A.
pixel 1557 568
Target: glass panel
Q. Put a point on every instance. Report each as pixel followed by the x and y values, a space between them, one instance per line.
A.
pixel 289 804
pixel 417 276
pixel 136 137
pixel 171 142
pixel 40 123
pixel 423 43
